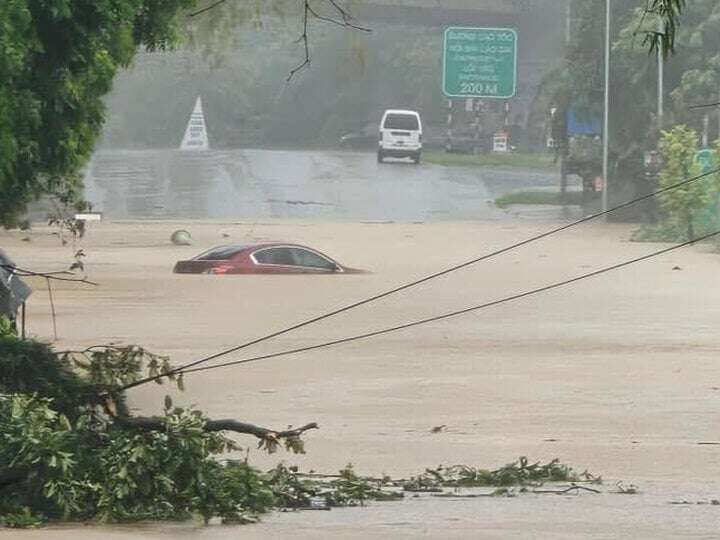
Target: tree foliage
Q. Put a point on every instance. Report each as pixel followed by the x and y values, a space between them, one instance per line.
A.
pixel 685 205
pixel 69 448
pixel 691 76
pixel 668 12
pixel 57 60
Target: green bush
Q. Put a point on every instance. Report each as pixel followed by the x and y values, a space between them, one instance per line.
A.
pixel 692 205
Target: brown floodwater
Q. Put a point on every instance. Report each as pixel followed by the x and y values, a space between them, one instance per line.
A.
pixel 617 374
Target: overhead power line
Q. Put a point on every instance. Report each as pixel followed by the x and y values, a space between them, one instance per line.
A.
pixel 705 105
pixel 417 282
pixel 451 314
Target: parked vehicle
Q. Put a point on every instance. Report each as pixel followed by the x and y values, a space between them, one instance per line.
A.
pixel 434 138
pixel 468 142
pixel 364 138
pixel 270 258
pixel 400 135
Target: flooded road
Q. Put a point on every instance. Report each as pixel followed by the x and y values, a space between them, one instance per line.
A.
pixel 263 184
pixel 618 374
pixel 601 517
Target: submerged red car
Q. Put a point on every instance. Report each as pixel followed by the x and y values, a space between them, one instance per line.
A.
pixel 274 258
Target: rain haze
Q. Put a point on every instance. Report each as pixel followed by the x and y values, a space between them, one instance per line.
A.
pixel 440 269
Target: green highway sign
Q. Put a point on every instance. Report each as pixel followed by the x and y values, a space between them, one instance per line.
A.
pixel 480 62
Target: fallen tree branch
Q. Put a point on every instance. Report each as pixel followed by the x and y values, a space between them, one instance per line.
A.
pixel 158 424
pixel 259 432
pixel 566 490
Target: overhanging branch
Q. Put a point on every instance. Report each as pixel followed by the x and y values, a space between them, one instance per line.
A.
pixel 342 18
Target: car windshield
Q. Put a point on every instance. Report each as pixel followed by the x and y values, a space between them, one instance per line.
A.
pixel 220 254
pixel 401 121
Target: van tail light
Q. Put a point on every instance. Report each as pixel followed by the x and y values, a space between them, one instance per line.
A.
pixel 419 137
pixel 220 269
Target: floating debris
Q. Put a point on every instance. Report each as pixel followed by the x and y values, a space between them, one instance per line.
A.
pixel 181 238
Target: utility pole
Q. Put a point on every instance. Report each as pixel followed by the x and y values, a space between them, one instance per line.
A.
pixel 448 142
pixel 568 22
pixel 661 82
pixel 606 121
pixel 562 147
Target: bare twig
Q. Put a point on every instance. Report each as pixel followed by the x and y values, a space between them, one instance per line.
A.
pixel 341 10
pixel 52 308
pixel 304 40
pixel 345 22
pixel 566 490
pixel 55 276
pixel 207 8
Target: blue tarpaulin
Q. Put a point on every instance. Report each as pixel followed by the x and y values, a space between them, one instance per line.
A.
pixel 578 125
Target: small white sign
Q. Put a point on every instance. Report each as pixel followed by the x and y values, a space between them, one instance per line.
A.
pixel 500 143
pixel 90 216
pixel 196 137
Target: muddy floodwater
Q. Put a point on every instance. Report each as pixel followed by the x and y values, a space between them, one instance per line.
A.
pixel 618 375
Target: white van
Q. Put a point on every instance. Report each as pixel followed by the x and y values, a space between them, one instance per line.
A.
pixel 400 135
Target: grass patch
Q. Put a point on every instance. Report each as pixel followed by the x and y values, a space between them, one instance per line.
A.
pixel 540 197
pixel 509 160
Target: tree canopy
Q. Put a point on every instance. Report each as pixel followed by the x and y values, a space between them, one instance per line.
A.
pixel 57 60
pixel 690 77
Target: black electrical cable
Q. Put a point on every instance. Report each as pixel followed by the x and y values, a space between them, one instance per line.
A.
pixel 417 282
pixel 486 305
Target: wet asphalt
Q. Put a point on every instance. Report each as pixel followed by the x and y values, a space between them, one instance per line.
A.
pixel 286 184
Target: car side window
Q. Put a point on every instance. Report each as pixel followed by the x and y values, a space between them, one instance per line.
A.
pixel 281 256
pixel 306 258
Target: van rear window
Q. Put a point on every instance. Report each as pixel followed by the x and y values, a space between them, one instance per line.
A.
pixel 401 121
